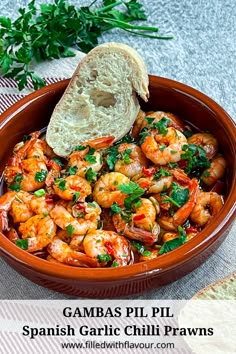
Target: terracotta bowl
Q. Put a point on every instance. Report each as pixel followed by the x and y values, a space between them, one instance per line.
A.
pixel 33 112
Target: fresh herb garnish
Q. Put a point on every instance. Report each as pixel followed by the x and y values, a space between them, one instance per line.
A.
pixel 161 125
pixel 25 137
pixel 80 148
pixel 23 243
pixel 125 157
pixel 102 258
pixel 70 229
pixel 187 133
pixel 150 120
pixel 18 178
pixel 40 193
pixel 196 157
pixel 178 196
pixel 161 172
pixel 61 184
pixel 15 187
pixel 58 161
pixel 49 32
pixel 90 159
pixel 75 197
pixel 176 242
pixel 112 157
pixel 134 191
pixel 140 248
pixel 72 170
pixel 91 204
pixel 143 134
pixel 40 176
pixel 91 175
pixel 115 209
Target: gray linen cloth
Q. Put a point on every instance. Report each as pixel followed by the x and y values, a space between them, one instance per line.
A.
pixel 202 55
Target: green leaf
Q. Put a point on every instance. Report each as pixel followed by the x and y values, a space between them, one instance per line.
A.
pixel 5 22
pixel 135 10
pixel 112 157
pixel 72 170
pixel 15 187
pixel 61 183
pixel 76 197
pixel 18 178
pixel 90 159
pixel 161 126
pixel 90 175
pixel 103 258
pixel 40 193
pixel 175 243
pixel 23 244
pixel 115 209
pixel 70 229
pixel 125 157
pixel 161 172
pixel 5 63
pixel 179 195
pixel 41 176
pixel 58 161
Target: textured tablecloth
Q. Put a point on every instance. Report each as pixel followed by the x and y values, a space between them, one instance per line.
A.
pixel 202 55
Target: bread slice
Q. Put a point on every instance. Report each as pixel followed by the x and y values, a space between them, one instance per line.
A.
pixel 224 289
pixel 100 99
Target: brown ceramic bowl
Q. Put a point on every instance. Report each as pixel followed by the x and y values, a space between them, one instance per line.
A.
pixel 33 112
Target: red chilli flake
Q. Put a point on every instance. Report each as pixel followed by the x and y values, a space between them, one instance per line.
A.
pixel 191 229
pixel 81 207
pixel 139 217
pixel 76 188
pixel 49 198
pixel 149 171
pixel 110 249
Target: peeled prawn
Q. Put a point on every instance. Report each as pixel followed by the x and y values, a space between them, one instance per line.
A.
pixel 39 231
pixel 66 188
pixel 208 204
pixel 207 141
pixel 135 161
pixel 105 191
pixel 162 149
pixel 107 246
pixel 215 171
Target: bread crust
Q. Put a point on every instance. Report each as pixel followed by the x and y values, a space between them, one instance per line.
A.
pixel 223 289
pixel 100 99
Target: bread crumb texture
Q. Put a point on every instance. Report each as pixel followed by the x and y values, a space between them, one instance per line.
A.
pixel 100 99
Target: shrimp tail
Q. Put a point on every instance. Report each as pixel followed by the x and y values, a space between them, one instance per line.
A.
pixel 3 221
pixel 141 235
pixel 100 143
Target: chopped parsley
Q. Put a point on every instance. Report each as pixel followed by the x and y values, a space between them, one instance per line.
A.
pixel 178 196
pixel 112 157
pixel 58 161
pixel 90 159
pixel 150 120
pixel 23 243
pixel 146 253
pixel 134 191
pixel 18 178
pixel 196 157
pixel 80 148
pixel 70 229
pixel 141 248
pixel 125 157
pixel 187 133
pixel 161 126
pixel 15 187
pixel 91 175
pixel 143 134
pixel 72 170
pixel 161 172
pixel 40 176
pixel 75 197
pixel 91 204
pixel 26 137
pixel 176 242
pixel 61 184
pixel 115 209
pixel 114 264
pixel 102 258
pixel 40 193
pixel 206 174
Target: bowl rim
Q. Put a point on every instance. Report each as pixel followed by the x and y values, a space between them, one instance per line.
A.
pixel 163 263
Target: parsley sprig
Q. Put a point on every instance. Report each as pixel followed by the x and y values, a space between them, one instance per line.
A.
pixel 196 157
pixel 178 196
pixel 176 242
pixel 50 30
pixel 134 192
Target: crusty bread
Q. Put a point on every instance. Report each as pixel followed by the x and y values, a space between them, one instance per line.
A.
pixel 224 289
pixel 100 99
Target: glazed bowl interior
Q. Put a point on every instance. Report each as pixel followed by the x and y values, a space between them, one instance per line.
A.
pixel 33 113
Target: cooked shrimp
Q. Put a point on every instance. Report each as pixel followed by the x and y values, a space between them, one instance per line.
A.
pixel 39 231
pixel 142 220
pixel 107 246
pixel 54 172
pixel 181 215
pixel 153 185
pixel 21 209
pixel 63 253
pixel 208 204
pixel 132 160
pixel 82 160
pixel 5 205
pixel 162 149
pixel 40 205
pixel 215 171
pixel 207 141
pixel 30 169
pixel 142 122
pixel 66 188
pixel 105 191
pixel 12 234
pixel 148 255
pixel 85 219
